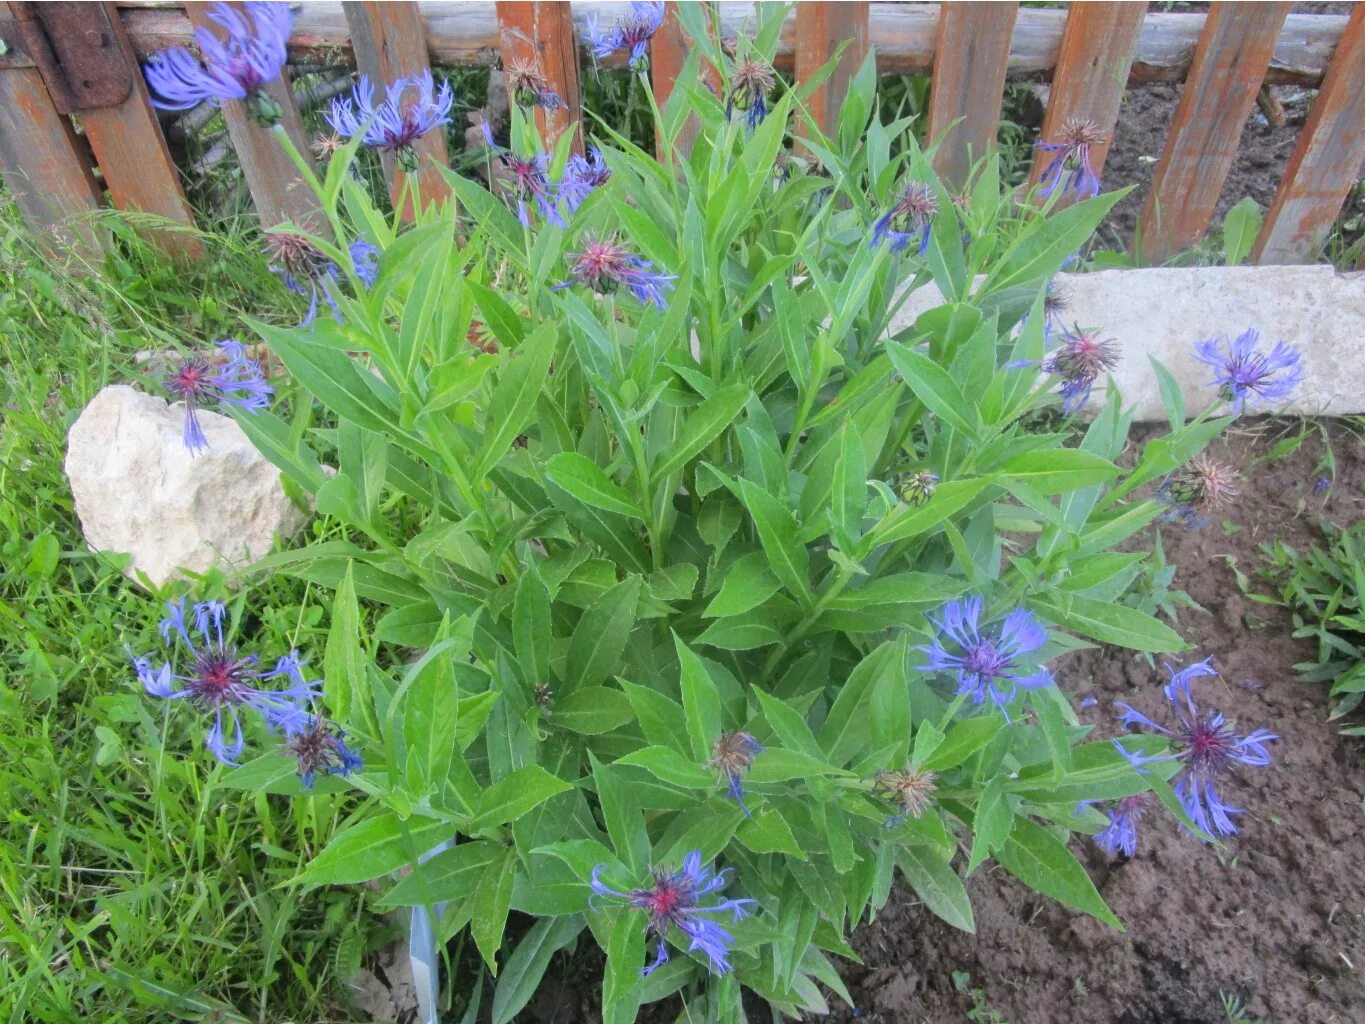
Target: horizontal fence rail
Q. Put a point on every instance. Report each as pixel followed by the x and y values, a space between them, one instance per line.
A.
pixel 905 37
pixel 1092 51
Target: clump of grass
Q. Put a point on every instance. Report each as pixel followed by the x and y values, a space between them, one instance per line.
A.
pixel 132 887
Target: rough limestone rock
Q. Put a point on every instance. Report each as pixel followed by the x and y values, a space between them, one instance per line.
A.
pixel 1162 312
pixel 138 490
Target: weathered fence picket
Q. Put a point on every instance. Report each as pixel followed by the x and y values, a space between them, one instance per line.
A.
pixel 1092 50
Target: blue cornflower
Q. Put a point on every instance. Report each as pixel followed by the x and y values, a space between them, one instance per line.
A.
pixel 236 380
pixel 529 87
pixel 306 270
pixel 605 265
pixel 674 899
pixel 1205 745
pixel 583 174
pixel 221 680
pixel 1200 487
pixel 1246 374
pixel 986 661
pixel 1072 163
pixel 750 84
pixel 911 215
pixel 1079 360
pixel 632 32
pixel 1121 835
pixel 412 107
pixel 320 746
pixel 1055 301
pixel 234 68
pixel 731 755
pixel 527 178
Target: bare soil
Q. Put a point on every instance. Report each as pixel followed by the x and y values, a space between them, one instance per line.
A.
pixel 1275 918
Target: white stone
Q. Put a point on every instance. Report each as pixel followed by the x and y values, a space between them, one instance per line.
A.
pixel 138 490
pixel 1162 312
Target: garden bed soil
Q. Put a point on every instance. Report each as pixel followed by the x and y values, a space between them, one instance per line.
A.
pixel 1275 918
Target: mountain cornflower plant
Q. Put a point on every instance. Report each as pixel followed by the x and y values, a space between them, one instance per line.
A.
pixel 606 265
pixel 221 681
pixel 1244 374
pixel 236 67
pixel 586 539
pixel 234 378
pixel 1205 744
pixel 731 756
pixel 529 87
pixel 413 106
pixel 910 217
pixel 320 746
pixel 1079 359
pixel 1198 489
pixel 632 32
pixel 526 178
pixel 986 661
pixel 1071 169
pixel 582 176
pixel 751 82
pixel 675 900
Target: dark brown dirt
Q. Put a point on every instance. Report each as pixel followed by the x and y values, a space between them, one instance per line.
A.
pixel 1275 918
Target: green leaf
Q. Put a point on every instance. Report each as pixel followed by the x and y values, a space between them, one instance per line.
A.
pixel 849 491
pixel 529 961
pixel 592 710
pixel 1055 470
pixel 1241 225
pixel 789 725
pixel 787 557
pixel 507 800
pixel 513 402
pixel 845 730
pixel 661 718
pixel 962 741
pixel 768 832
pixel 911 521
pixel 935 881
pixel 934 386
pixel 701 702
pixel 621 981
pixel 704 425
pixel 375 847
pixel 601 635
pixel 531 627
pixel 346 680
pixel 449 876
pixel 492 901
pixel 748 583
pixel 586 481
pixel 624 819
pixel 667 765
pixel 776 764
pixel 992 823
pixel 1038 254
pixel 1109 623
pixel 1041 861
pixel 431 717
pixel 274 439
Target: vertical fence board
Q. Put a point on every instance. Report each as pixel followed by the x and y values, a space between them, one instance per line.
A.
pixel 45 168
pixel 279 191
pixel 1096 53
pixel 137 166
pixel 542 32
pixel 668 52
pixel 1230 61
pixel 391 43
pixel 821 28
pixel 1326 160
pixel 971 56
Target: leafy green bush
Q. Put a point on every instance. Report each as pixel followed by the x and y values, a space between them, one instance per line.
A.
pixel 663 580
pixel 1322 588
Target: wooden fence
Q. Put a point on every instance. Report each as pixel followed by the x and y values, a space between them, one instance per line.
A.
pixel 65 61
